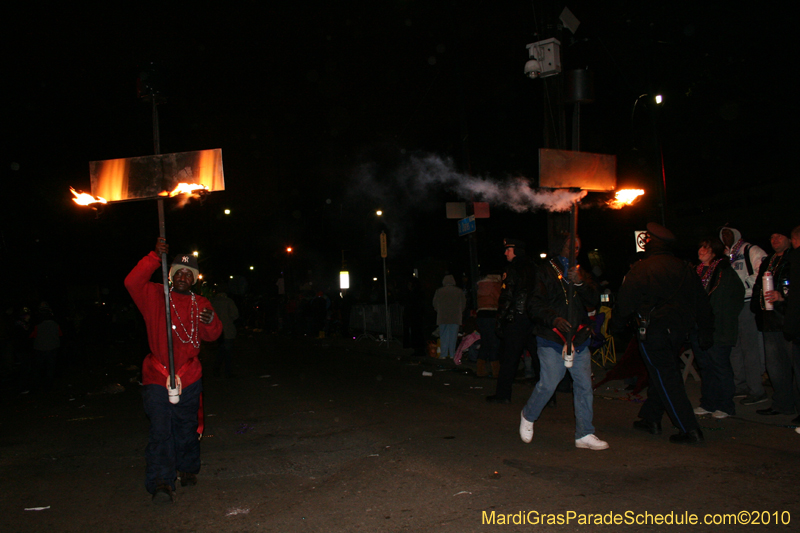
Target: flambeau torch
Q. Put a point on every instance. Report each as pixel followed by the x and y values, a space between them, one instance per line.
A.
pixel 185 175
pixel 562 169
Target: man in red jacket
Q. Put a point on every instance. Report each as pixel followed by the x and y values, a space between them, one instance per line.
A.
pixel 173 446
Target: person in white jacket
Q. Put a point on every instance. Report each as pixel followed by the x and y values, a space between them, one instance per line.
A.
pixel 747 357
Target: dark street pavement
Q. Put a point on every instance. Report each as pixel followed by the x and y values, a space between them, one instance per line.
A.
pixel 338 435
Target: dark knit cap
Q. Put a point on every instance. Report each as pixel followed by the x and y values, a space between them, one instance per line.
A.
pixel 185 261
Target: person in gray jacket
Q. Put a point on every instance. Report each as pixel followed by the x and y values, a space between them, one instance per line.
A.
pixel 449 302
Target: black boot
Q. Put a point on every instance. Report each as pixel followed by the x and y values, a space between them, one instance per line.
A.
pixel 163 494
pixel 648 426
pixel 496 399
pixel 694 436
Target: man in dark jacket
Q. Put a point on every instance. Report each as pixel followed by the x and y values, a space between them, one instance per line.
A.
pixel 777 350
pixel 668 300
pixel 514 325
pixel 563 329
pixel 791 322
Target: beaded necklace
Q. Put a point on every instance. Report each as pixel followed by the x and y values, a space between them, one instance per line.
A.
pixel 193 335
pixel 735 250
pixel 705 277
pixel 560 275
pixel 773 266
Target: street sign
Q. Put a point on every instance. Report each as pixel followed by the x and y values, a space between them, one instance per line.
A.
pixel 456 209
pixel 384 250
pixel 466 225
pixel 641 240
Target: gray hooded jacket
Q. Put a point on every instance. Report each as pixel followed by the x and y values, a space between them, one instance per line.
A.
pixel 449 302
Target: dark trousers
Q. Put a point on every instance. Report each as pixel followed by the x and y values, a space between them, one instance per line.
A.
pixel 517 336
pixel 224 360
pixel 783 370
pixel 717 387
pixel 490 342
pixel 45 362
pixel 666 390
pixel 174 444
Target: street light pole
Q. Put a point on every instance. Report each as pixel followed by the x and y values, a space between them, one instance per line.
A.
pixel 662 178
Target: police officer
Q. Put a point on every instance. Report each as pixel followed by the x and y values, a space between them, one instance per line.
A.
pixel 667 299
pixel 514 325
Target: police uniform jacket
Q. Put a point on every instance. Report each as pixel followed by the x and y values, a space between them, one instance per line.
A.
pixel 667 292
pixel 517 283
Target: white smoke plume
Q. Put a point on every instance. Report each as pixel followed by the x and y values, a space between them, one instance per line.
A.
pixel 420 175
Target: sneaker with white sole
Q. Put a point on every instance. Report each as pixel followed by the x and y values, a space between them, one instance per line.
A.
pixel 752 400
pixel 525 429
pixel 700 411
pixel 720 414
pixel 590 442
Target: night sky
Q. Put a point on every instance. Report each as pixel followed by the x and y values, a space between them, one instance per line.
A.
pixel 302 97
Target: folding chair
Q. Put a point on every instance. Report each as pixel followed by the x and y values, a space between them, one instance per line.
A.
pixel 605 352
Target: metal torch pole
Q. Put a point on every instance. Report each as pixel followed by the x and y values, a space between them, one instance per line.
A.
pixel 573 229
pixel 164 268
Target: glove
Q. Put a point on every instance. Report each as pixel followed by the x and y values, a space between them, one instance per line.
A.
pixel 705 339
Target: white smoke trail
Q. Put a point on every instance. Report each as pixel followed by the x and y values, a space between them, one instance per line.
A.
pixel 421 175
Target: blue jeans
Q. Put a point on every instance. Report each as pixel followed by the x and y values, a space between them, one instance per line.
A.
pixel 716 385
pixel 173 444
pixel 448 335
pixel 552 372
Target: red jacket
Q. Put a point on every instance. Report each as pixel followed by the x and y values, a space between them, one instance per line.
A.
pixel 149 298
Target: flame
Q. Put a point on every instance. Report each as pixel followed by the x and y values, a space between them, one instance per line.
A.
pixel 112 179
pixel 624 197
pixel 82 198
pixel 184 188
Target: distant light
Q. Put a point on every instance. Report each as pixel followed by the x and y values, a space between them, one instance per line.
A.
pixel 379 212
pixel 199 276
pixel 374 279
pixel 195 253
pixel 288 249
pixel 543 255
pixel 252 268
pixel 227 211
pixel 659 99
pixel 344 279
pixel 231 277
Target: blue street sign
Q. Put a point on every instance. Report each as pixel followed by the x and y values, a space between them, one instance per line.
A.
pixel 466 225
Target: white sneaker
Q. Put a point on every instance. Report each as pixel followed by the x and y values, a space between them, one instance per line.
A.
pixel 720 414
pixel 525 429
pixel 590 442
pixel 700 411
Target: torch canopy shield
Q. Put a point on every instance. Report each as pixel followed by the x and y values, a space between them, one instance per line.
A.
pixel 139 178
pixel 563 169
